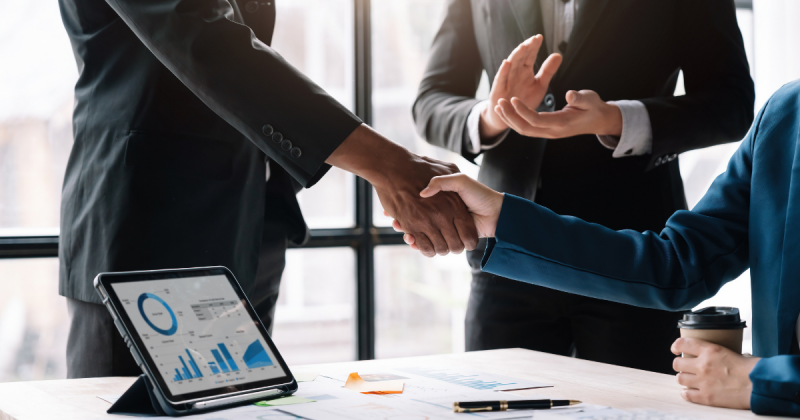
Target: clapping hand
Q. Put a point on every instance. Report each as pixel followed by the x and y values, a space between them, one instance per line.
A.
pixel 585 113
pixel 516 78
pixel 517 92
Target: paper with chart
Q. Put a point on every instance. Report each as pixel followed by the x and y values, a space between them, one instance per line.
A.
pixel 478 381
pixel 428 397
pixel 607 413
pixel 429 393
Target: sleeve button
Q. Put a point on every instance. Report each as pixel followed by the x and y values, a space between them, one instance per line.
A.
pixel 296 152
pixel 549 100
pixel 277 137
pixel 286 145
pixel 267 130
pixel 251 6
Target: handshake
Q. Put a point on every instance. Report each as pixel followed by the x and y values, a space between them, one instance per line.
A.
pixel 452 211
pixel 482 204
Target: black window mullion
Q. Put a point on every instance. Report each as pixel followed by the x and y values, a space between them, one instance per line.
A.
pixel 365 256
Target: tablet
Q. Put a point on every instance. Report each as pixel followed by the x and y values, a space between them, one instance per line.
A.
pixel 196 334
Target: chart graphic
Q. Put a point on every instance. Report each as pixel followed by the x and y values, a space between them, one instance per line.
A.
pixel 227 364
pixel 255 356
pixel 186 374
pixel 169 331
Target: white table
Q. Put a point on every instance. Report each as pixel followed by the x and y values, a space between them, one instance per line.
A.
pixel 591 382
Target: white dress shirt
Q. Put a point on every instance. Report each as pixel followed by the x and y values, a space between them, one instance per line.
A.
pixel 637 134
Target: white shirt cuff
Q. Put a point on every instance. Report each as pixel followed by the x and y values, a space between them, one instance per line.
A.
pixel 637 133
pixel 475 146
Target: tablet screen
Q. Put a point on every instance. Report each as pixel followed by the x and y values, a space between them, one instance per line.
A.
pixel 197 332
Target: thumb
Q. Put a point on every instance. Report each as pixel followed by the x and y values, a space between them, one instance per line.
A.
pixel 575 98
pixel 442 183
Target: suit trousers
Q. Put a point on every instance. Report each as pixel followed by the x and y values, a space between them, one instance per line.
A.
pixel 505 313
pixel 96 349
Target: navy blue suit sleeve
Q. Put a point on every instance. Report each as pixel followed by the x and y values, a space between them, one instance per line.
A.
pixel 697 252
pixel 776 386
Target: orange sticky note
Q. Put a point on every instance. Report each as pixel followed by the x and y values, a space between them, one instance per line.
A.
pixel 355 383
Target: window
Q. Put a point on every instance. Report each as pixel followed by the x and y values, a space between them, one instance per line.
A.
pixel 352 292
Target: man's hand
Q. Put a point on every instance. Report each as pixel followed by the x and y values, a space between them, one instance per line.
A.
pixel 585 113
pixel 483 203
pixel 716 376
pixel 516 78
pixel 441 225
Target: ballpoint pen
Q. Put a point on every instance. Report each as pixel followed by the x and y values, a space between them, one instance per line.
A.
pixel 474 406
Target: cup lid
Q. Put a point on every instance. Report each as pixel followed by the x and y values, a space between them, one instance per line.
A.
pixel 712 318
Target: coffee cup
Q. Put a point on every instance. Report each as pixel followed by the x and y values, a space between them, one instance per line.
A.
pixel 716 324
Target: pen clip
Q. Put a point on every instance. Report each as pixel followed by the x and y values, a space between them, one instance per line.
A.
pixel 458 409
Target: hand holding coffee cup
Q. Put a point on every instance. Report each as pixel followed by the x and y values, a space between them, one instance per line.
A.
pixel 711 367
pixel 720 325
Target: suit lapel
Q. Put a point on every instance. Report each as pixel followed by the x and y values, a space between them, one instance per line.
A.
pixel 588 15
pixel 528 15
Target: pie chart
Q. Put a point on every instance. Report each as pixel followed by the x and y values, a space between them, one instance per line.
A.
pixel 169 331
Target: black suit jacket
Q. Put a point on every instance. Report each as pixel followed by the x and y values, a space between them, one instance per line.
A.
pixel 175 108
pixel 622 49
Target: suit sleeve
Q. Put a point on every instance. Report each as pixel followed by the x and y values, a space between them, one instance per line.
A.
pixel 243 80
pixel 719 100
pixel 776 386
pixel 694 256
pixel 447 91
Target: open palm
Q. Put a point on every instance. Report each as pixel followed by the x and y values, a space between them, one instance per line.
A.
pixel 516 78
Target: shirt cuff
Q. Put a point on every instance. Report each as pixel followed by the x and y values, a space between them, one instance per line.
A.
pixel 475 145
pixel 637 133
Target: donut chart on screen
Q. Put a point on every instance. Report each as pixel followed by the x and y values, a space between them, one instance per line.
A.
pixel 171 330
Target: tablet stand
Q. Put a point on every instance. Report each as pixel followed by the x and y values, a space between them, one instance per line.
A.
pixel 138 400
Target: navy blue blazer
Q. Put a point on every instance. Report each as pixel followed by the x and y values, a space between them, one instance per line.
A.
pixel 750 217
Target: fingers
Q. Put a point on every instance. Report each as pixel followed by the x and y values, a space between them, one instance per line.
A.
pixel 549 69
pixel 467 232
pixel 583 99
pixel 692 346
pixel 454 243
pixel 681 364
pixel 424 244
pixel 444 183
pixel 512 118
pixel 523 57
pixel 440 246
pixel 697 396
pixel 409 239
pixel 397 227
pixel 534 44
pixel 540 119
pixel 689 380
pixel 500 84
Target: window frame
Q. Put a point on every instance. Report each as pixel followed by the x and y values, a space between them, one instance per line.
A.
pixel 362 238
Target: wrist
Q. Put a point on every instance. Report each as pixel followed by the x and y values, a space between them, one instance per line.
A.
pixel 357 154
pixel 496 207
pixel 612 121
pixel 489 125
